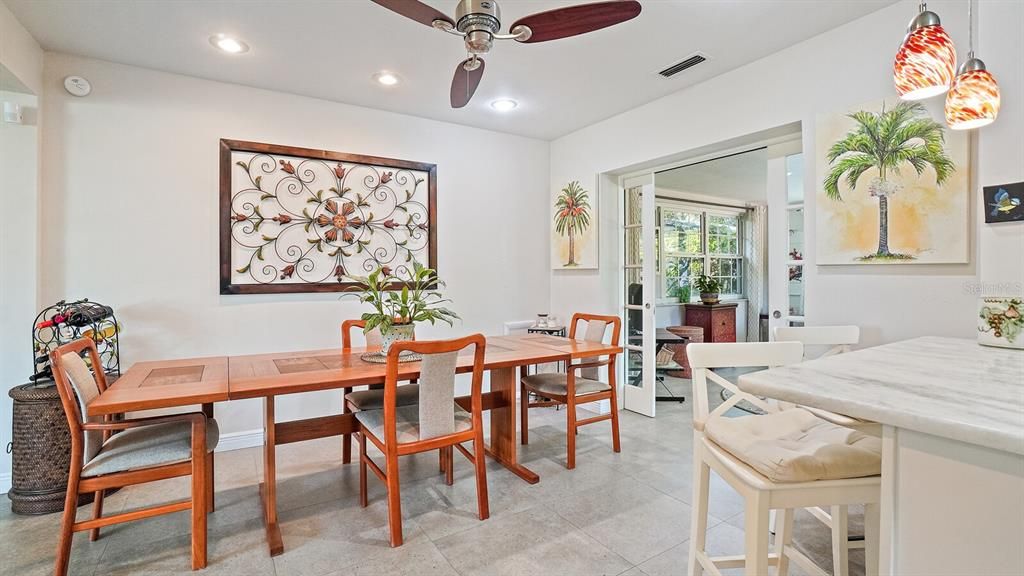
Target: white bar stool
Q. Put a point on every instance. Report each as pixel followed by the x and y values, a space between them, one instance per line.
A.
pixel 776 461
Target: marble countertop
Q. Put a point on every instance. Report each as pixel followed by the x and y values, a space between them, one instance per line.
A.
pixel 948 387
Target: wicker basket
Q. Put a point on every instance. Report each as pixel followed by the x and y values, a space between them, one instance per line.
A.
pixel 41 451
pixel 692 334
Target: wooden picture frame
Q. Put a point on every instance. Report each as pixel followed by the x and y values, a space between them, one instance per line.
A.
pixel 299 219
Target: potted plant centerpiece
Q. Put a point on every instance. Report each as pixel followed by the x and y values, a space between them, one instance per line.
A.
pixel 708 288
pixel 399 303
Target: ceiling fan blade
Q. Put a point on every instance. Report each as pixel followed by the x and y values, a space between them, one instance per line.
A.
pixel 574 20
pixel 415 10
pixel 464 82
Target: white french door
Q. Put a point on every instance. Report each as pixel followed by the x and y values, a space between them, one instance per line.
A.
pixel 785 240
pixel 639 290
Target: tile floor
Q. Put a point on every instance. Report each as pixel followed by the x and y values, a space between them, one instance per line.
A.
pixel 626 513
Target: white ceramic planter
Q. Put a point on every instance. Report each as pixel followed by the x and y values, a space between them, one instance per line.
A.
pixel 395 334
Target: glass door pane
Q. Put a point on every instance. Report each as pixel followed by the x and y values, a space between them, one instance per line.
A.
pixel 795 247
pixel 633 289
pixel 639 274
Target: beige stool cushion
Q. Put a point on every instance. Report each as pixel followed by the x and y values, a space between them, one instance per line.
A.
pixel 797 446
pixel 405 395
pixel 407 422
pixel 555 385
pixel 148 446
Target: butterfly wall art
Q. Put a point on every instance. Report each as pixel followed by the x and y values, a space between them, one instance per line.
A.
pixel 1004 203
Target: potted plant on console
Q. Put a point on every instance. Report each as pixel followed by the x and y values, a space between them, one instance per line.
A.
pixel 399 303
pixel 708 288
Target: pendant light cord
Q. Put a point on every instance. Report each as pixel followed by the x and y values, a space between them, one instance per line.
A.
pixel 970 29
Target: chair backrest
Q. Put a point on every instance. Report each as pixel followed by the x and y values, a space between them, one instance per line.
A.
pixel 374 339
pixel 436 385
pixel 839 339
pixel 597 328
pixel 704 357
pixel 77 386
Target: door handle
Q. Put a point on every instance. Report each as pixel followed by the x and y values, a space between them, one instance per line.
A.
pixel 776 314
pixel 647 305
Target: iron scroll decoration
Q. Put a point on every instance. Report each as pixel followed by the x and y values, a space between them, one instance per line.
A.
pixel 301 220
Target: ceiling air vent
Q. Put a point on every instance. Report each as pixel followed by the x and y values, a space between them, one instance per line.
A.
pixel 684 65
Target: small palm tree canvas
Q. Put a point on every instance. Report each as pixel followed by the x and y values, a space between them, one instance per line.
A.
pixel 575 237
pixel 892 187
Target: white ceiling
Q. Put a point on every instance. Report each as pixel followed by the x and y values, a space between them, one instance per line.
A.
pixel 736 177
pixel 331 49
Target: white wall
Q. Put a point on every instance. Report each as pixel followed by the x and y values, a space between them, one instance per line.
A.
pixel 131 205
pixel 21 70
pixel 19 194
pixel 844 67
pixel 19 52
pixel 1001 148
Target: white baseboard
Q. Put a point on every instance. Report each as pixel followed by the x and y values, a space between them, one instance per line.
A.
pixel 240 440
pixel 5 483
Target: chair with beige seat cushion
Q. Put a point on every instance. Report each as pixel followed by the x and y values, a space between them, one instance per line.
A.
pixel 373 397
pixel 143 450
pixel 579 385
pixel 777 461
pixel 435 422
pixel 797 446
pixel 835 340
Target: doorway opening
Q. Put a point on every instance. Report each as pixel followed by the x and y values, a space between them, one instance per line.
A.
pixel 733 220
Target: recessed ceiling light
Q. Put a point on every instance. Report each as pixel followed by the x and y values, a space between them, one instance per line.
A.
pixel 229 44
pixel 386 78
pixel 504 105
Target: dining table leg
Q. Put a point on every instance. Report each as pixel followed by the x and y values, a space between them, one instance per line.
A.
pixel 268 488
pixel 504 447
pixel 210 477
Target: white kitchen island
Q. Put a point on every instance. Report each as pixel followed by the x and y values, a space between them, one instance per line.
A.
pixel 952 415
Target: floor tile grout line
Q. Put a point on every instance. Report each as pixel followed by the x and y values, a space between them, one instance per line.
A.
pixel 596 541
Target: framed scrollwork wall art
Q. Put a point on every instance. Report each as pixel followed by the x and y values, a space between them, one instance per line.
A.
pixel 302 220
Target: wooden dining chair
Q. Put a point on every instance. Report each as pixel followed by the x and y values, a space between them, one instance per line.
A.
pixel 435 422
pixel 143 450
pixel 571 390
pixel 835 340
pixel 373 397
pixel 780 460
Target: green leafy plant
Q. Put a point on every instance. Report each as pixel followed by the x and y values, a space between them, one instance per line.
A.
pixel 706 284
pixel 572 215
pixel 886 142
pixel 680 291
pixel 397 301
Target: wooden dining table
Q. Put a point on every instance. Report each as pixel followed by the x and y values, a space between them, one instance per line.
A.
pixel 206 381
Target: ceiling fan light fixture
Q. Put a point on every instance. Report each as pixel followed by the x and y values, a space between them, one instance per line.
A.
pixel 229 44
pixel 926 62
pixel 478 24
pixel 504 105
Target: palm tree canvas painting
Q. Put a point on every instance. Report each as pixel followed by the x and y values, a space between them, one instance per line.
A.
pixel 892 187
pixel 574 230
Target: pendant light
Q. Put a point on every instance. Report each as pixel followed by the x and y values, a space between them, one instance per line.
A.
pixel 926 61
pixel 973 101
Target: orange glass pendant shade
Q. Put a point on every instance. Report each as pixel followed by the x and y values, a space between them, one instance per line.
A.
pixel 925 63
pixel 973 101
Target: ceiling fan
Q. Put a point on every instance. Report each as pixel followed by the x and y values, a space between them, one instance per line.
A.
pixel 478 22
